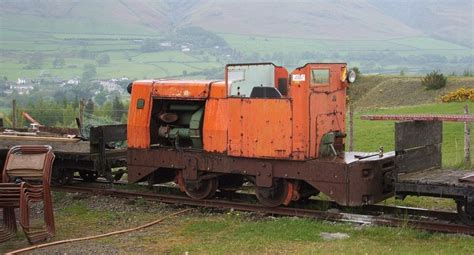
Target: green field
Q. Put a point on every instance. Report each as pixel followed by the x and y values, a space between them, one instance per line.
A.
pixel 135 65
pixel 17 47
pixel 407 53
pixel 269 45
pixel 370 135
pixel 126 58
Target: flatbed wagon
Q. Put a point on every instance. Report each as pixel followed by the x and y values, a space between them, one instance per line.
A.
pixel 91 157
pixel 419 172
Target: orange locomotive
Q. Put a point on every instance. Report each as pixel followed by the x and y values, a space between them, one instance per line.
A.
pixel 282 132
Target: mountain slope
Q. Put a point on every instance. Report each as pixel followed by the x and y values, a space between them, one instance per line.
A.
pixel 342 20
pixel 451 20
pixel 84 16
pixel 302 18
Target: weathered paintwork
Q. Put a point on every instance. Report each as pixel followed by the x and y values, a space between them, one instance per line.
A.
pixel 290 127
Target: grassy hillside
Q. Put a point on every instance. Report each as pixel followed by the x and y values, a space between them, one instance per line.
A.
pixel 375 91
pixel 364 19
pixel 439 19
pixel 84 17
pixel 300 19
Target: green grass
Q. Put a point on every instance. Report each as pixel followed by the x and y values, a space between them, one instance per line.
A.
pixel 204 232
pixel 242 234
pixel 369 135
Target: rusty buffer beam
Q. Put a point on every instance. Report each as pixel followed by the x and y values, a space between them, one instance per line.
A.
pixel 421 117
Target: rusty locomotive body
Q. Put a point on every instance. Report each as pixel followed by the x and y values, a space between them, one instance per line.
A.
pixel 283 132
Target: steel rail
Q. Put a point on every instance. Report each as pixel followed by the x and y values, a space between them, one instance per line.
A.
pixel 427 225
pixel 318 203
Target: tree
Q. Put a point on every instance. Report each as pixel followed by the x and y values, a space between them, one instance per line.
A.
pixel 118 109
pixel 3 85
pixel 150 45
pixel 89 109
pixel 468 73
pixel 35 61
pixel 434 80
pixel 58 62
pixel 69 116
pixel 75 102
pixel 101 98
pixel 357 71
pixel 85 54
pixel 103 59
pixel 89 72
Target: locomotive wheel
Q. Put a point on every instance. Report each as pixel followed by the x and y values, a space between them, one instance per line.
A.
pixel 201 189
pixel 88 176
pixel 281 192
pixel 466 216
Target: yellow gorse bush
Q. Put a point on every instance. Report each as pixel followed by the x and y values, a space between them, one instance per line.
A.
pixel 460 95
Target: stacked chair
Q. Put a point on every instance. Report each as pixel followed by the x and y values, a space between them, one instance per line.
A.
pixel 26 179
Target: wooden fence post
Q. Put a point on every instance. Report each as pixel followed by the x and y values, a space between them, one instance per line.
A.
pixel 351 127
pixel 81 111
pixel 14 113
pixel 467 140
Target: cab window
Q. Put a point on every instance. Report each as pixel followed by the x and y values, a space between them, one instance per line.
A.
pixel 319 77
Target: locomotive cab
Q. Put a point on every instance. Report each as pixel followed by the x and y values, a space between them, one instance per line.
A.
pixel 299 119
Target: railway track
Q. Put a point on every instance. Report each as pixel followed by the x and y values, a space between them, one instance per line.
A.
pixel 422 219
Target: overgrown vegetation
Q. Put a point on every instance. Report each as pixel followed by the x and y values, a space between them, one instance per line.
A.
pixel 434 80
pixel 460 95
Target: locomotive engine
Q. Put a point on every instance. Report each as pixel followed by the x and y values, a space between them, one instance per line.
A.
pixel 283 132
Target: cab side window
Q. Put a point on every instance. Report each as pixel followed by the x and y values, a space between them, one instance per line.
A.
pixel 319 77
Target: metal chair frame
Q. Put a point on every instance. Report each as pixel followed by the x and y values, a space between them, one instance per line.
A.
pixel 26 179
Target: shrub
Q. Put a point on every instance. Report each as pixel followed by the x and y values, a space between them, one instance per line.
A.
pixel 357 71
pixel 460 95
pixel 434 80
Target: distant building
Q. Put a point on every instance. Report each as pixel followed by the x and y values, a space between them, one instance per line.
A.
pixel 21 81
pixel 74 81
pixel 166 44
pixel 112 85
pixel 22 89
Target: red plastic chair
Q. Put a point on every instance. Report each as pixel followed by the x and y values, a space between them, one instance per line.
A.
pixel 26 179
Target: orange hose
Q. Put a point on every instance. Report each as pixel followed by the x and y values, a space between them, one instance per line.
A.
pixel 96 236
